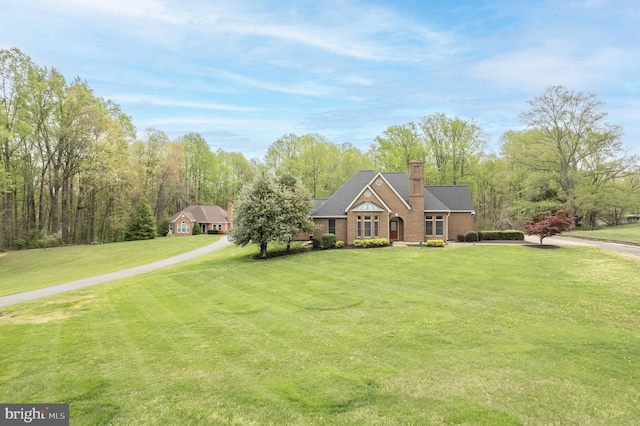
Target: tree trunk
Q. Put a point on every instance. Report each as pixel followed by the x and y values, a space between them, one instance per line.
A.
pixel 263 250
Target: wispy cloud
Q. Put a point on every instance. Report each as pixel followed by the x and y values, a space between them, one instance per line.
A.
pixel 297 88
pixel 164 102
pixel 535 68
pixel 249 71
pixel 342 28
pixel 157 10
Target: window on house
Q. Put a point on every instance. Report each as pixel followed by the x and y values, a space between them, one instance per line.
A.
pixel 183 228
pixel 439 226
pixel 429 225
pixel 332 226
pixel 376 226
pixel 367 226
pixel 358 227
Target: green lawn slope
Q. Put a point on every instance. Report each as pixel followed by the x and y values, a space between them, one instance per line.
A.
pixel 463 335
pixel 625 233
pixel 25 270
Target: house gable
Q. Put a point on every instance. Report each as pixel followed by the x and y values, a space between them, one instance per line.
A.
pixel 367 192
pixel 380 179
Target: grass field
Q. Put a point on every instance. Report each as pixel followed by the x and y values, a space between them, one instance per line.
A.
pixel 26 270
pixel 629 233
pixel 465 335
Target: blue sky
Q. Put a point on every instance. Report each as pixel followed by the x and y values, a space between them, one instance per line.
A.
pixel 244 73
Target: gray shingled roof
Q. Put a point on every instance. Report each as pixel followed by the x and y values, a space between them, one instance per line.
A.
pixel 455 197
pixel 338 202
pixel 436 198
pixel 203 214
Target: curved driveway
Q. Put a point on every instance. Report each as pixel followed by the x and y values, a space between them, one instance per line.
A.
pixel 85 282
pixel 224 242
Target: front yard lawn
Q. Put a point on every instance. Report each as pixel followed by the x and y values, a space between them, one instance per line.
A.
pixel 25 270
pixel 630 233
pixel 467 334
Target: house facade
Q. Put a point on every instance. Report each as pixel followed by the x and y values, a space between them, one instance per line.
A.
pixel 209 218
pixel 397 206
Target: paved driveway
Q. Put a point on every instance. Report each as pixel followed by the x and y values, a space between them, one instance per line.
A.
pixel 560 240
pixel 85 282
pixel 224 242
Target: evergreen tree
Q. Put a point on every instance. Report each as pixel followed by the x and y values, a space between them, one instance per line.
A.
pixel 142 224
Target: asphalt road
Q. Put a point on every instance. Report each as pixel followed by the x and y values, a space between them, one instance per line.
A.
pixel 85 282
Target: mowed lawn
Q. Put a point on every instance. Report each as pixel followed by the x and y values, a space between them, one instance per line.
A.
pixel 25 270
pixel 630 233
pixel 465 335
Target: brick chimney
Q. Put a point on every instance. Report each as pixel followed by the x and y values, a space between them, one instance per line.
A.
pixel 414 227
pixel 416 180
pixel 230 214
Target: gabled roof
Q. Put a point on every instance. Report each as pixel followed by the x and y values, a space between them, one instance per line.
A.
pixel 455 197
pixel 432 203
pixel 436 198
pixel 202 214
pixel 400 183
pixel 370 189
pixel 337 203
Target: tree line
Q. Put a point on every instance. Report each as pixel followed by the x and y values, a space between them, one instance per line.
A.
pixel 73 168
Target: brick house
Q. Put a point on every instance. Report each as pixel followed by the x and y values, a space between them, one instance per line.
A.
pixel 209 218
pixel 396 206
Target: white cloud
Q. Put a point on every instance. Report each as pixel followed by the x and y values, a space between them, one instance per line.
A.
pixel 139 9
pixel 305 88
pixel 534 68
pixel 158 101
pixel 218 123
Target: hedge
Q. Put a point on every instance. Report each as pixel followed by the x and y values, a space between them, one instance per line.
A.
pixel 435 243
pixel 317 242
pixel 328 241
pixel 509 235
pixel 375 242
pixel 471 237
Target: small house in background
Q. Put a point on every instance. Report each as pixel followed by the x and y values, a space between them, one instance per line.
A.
pixel 633 218
pixel 211 219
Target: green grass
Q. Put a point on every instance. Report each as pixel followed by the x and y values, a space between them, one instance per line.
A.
pixel 630 233
pixel 26 270
pixel 465 335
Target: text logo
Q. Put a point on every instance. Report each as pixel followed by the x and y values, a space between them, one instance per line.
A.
pixel 34 414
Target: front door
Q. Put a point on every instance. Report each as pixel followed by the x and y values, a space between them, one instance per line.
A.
pixel 393 230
